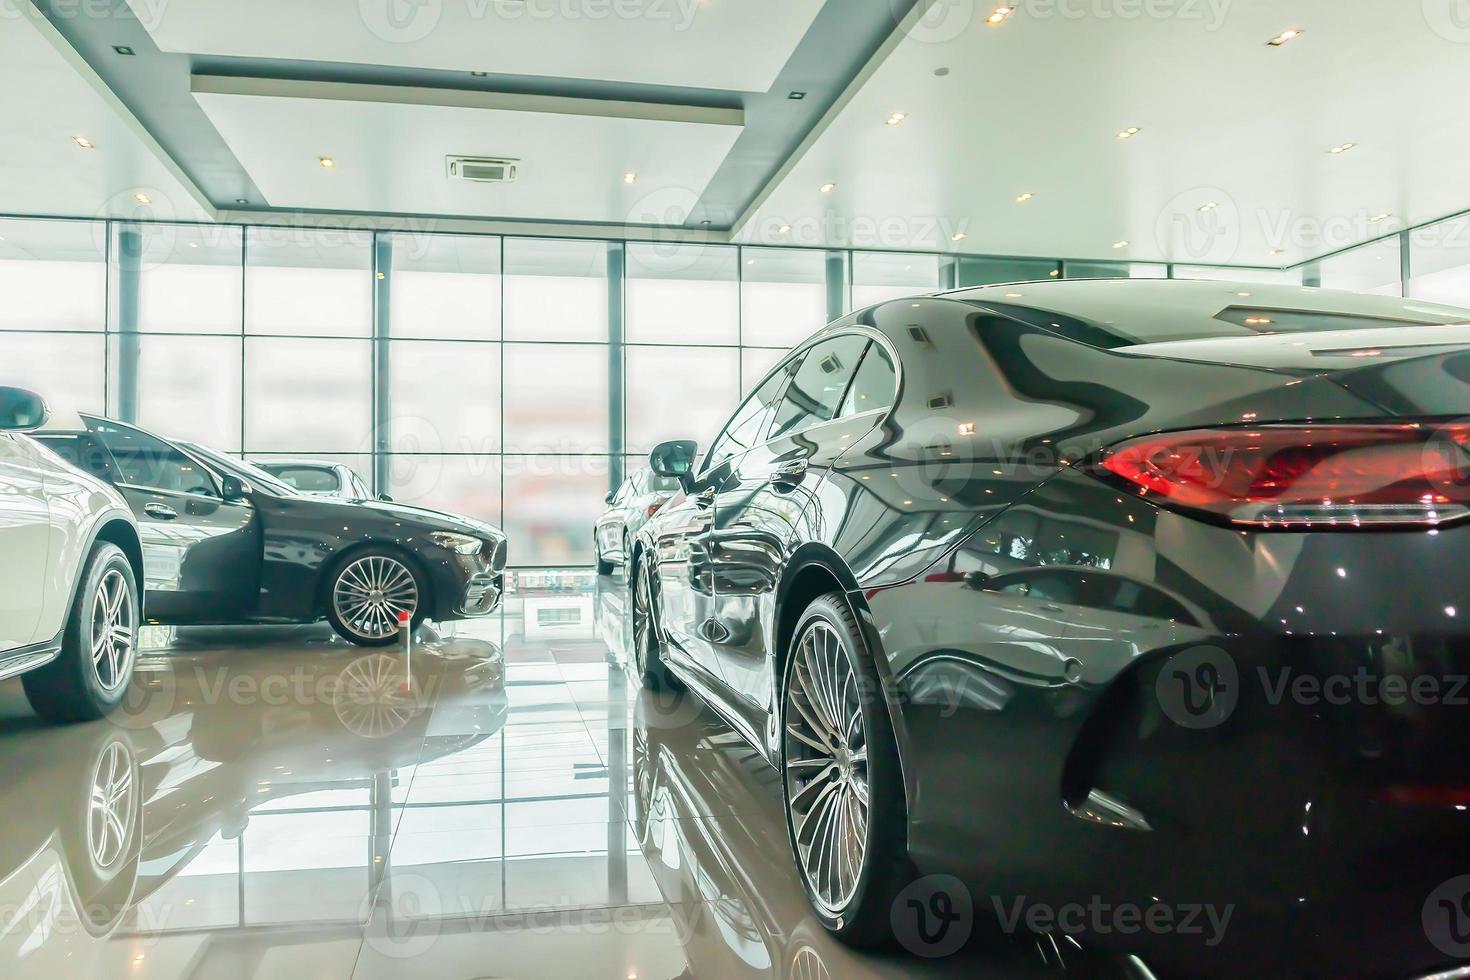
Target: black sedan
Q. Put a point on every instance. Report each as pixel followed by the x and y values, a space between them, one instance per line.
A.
pixel 1136 608
pixel 225 542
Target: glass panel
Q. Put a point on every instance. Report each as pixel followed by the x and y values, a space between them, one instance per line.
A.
pixel 305 396
pixel 755 362
pixel 985 271
pixel 1114 270
pixel 783 295
pixel 879 276
pixel 555 290
pixel 682 294
pixel 52 275
pixel 468 485
pixel 678 393
pixel 143 460
pixel 1372 268
pixel 445 286
pixel 309 281
pixel 189 276
pixel 1439 262
pixel 65 369
pixel 817 388
pixel 874 385
pixel 1225 273
pixel 188 388
pixel 444 397
pixel 556 398
pixel 551 503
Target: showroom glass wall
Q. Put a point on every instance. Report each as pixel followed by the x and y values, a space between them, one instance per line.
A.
pixel 510 378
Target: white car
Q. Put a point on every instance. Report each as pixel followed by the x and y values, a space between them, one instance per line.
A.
pixel 70 606
pixel 317 477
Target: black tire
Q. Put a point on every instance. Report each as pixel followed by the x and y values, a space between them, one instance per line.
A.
pixel 647 647
pixel 375 566
pixel 863 915
pixel 73 687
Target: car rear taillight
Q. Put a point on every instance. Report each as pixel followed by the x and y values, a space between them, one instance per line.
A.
pixel 652 508
pixel 1298 476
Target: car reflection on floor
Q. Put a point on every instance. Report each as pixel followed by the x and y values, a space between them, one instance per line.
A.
pixel 502 802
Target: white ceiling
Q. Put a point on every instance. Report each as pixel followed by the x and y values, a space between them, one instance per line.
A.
pixel 390 156
pixel 1032 105
pixel 719 44
pixel 48 95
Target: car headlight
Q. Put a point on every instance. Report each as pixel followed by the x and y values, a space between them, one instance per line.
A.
pixel 460 544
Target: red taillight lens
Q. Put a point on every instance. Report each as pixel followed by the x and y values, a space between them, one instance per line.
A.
pixel 652 508
pixel 1348 475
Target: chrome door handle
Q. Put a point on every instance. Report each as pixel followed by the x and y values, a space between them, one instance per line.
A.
pixel 789 474
pixel 161 511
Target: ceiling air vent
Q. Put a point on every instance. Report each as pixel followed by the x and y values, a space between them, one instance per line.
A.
pixel 484 170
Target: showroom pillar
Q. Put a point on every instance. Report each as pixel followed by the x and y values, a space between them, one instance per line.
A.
pixel 129 265
pixel 382 352
pixel 836 285
pixel 616 265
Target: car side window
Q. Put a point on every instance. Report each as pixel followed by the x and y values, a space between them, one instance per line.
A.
pixel 874 385
pixel 749 421
pixel 816 390
pixel 359 489
pixel 82 452
pixel 145 461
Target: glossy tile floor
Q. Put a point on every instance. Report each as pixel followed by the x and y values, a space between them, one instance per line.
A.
pixel 505 803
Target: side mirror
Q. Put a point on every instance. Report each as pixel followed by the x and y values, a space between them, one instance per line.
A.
pixel 385 498
pixel 234 488
pixel 21 409
pixel 675 459
pixel 609 498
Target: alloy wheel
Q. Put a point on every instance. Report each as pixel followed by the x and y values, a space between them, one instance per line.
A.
pixel 372 701
pixel 371 592
pixel 826 767
pixel 111 806
pixel 642 618
pixel 112 631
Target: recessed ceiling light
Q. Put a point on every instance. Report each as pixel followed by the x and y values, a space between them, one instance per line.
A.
pixel 326 162
pixel 1341 148
pixel 796 96
pixel 1379 216
pixel 83 142
pixel 1257 321
pixel 896 118
pixel 783 229
pixel 124 50
pixel 1000 13
pixel 827 188
pixel 241 200
pixel 1022 198
pixel 142 198
pixel 1013 295
pixel 1209 206
pixel 630 177
pixel 1128 134
pixel 1121 243
pixel 1290 34
pixel 479 74
pixel 958 236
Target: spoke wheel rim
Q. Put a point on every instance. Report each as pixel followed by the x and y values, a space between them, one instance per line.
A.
pixel 642 618
pixel 111 806
pixel 825 767
pixel 371 701
pixel 370 593
pixel 113 638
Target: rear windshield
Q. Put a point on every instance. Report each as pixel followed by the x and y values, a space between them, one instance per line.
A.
pixel 1123 313
pixel 307 479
